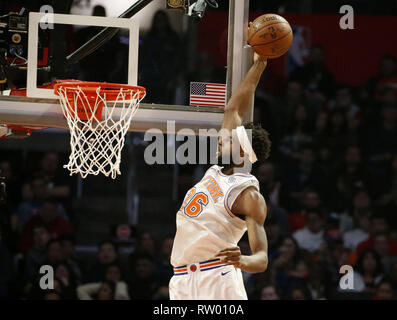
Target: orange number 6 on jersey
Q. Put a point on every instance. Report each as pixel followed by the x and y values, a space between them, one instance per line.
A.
pixel 195 205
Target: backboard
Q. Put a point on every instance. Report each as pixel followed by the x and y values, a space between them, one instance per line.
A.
pixel 144 59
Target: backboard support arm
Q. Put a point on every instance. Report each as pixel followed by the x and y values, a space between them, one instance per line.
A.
pixel 240 55
pixel 105 35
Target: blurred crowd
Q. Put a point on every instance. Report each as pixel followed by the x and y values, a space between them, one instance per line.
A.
pixel 330 183
pixel 330 186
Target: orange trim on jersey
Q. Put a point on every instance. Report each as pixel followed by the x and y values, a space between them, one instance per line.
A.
pixel 211 264
pixel 226 205
pixel 225 202
pixel 235 174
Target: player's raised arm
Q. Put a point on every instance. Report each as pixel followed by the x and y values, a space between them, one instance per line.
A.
pixel 241 99
pixel 252 205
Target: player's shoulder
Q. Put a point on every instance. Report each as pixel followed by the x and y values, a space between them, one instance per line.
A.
pixel 251 203
pixel 252 196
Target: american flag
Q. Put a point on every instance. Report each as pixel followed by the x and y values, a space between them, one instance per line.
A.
pixel 207 94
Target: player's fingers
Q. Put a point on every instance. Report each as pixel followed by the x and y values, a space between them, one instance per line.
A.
pixel 235 264
pixel 229 254
pixel 228 250
pixel 231 260
pixel 233 257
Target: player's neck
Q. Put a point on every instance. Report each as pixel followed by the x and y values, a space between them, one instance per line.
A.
pixel 230 169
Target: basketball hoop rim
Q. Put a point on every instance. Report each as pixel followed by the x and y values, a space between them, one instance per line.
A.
pixel 91 88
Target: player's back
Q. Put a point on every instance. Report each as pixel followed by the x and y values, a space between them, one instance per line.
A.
pixel 205 222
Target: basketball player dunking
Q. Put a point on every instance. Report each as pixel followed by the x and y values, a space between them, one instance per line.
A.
pixel 218 210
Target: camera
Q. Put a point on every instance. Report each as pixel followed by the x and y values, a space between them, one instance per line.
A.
pixel 195 9
pixel 14 34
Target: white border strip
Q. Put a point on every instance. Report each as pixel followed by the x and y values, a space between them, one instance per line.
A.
pixel 34 20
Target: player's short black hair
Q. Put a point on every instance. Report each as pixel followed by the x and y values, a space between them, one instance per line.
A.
pixel 260 141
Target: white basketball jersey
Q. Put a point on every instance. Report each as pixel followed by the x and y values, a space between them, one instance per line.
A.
pixel 205 223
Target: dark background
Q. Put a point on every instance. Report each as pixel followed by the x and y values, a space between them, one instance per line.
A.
pixel 330 183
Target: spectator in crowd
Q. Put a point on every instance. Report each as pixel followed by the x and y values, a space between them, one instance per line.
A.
pixel 379 228
pixel 311 238
pixel 269 185
pixel 387 194
pixel 381 140
pixel 349 178
pixel 287 266
pixel 386 77
pixel 352 169
pixel 284 108
pixel 344 102
pixel 331 259
pixel 384 291
pixel 298 134
pixel 48 215
pixel 107 255
pixel 106 56
pixel 103 291
pixel 361 202
pixel 53 256
pixel 68 243
pixel 385 247
pixel 144 244
pixel 305 174
pixel 58 184
pixel 204 69
pixel 334 134
pixel 51 295
pixel 164 270
pixel 361 233
pixel 314 75
pixel 317 281
pixel 310 200
pixel 33 193
pixel 274 235
pixel 36 256
pixel 162 293
pixel 279 214
pixel 392 276
pixel 369 270
pixel 269 292
pixel 113 276
pixel 299 293
pixel 161 56
pixel 53 252
pixel 144 283
pixel 65 274
pixel 55 180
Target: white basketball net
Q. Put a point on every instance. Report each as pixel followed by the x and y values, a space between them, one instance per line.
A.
pixel 96 144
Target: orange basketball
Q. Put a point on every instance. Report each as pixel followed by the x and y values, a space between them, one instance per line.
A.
pixel 270 35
